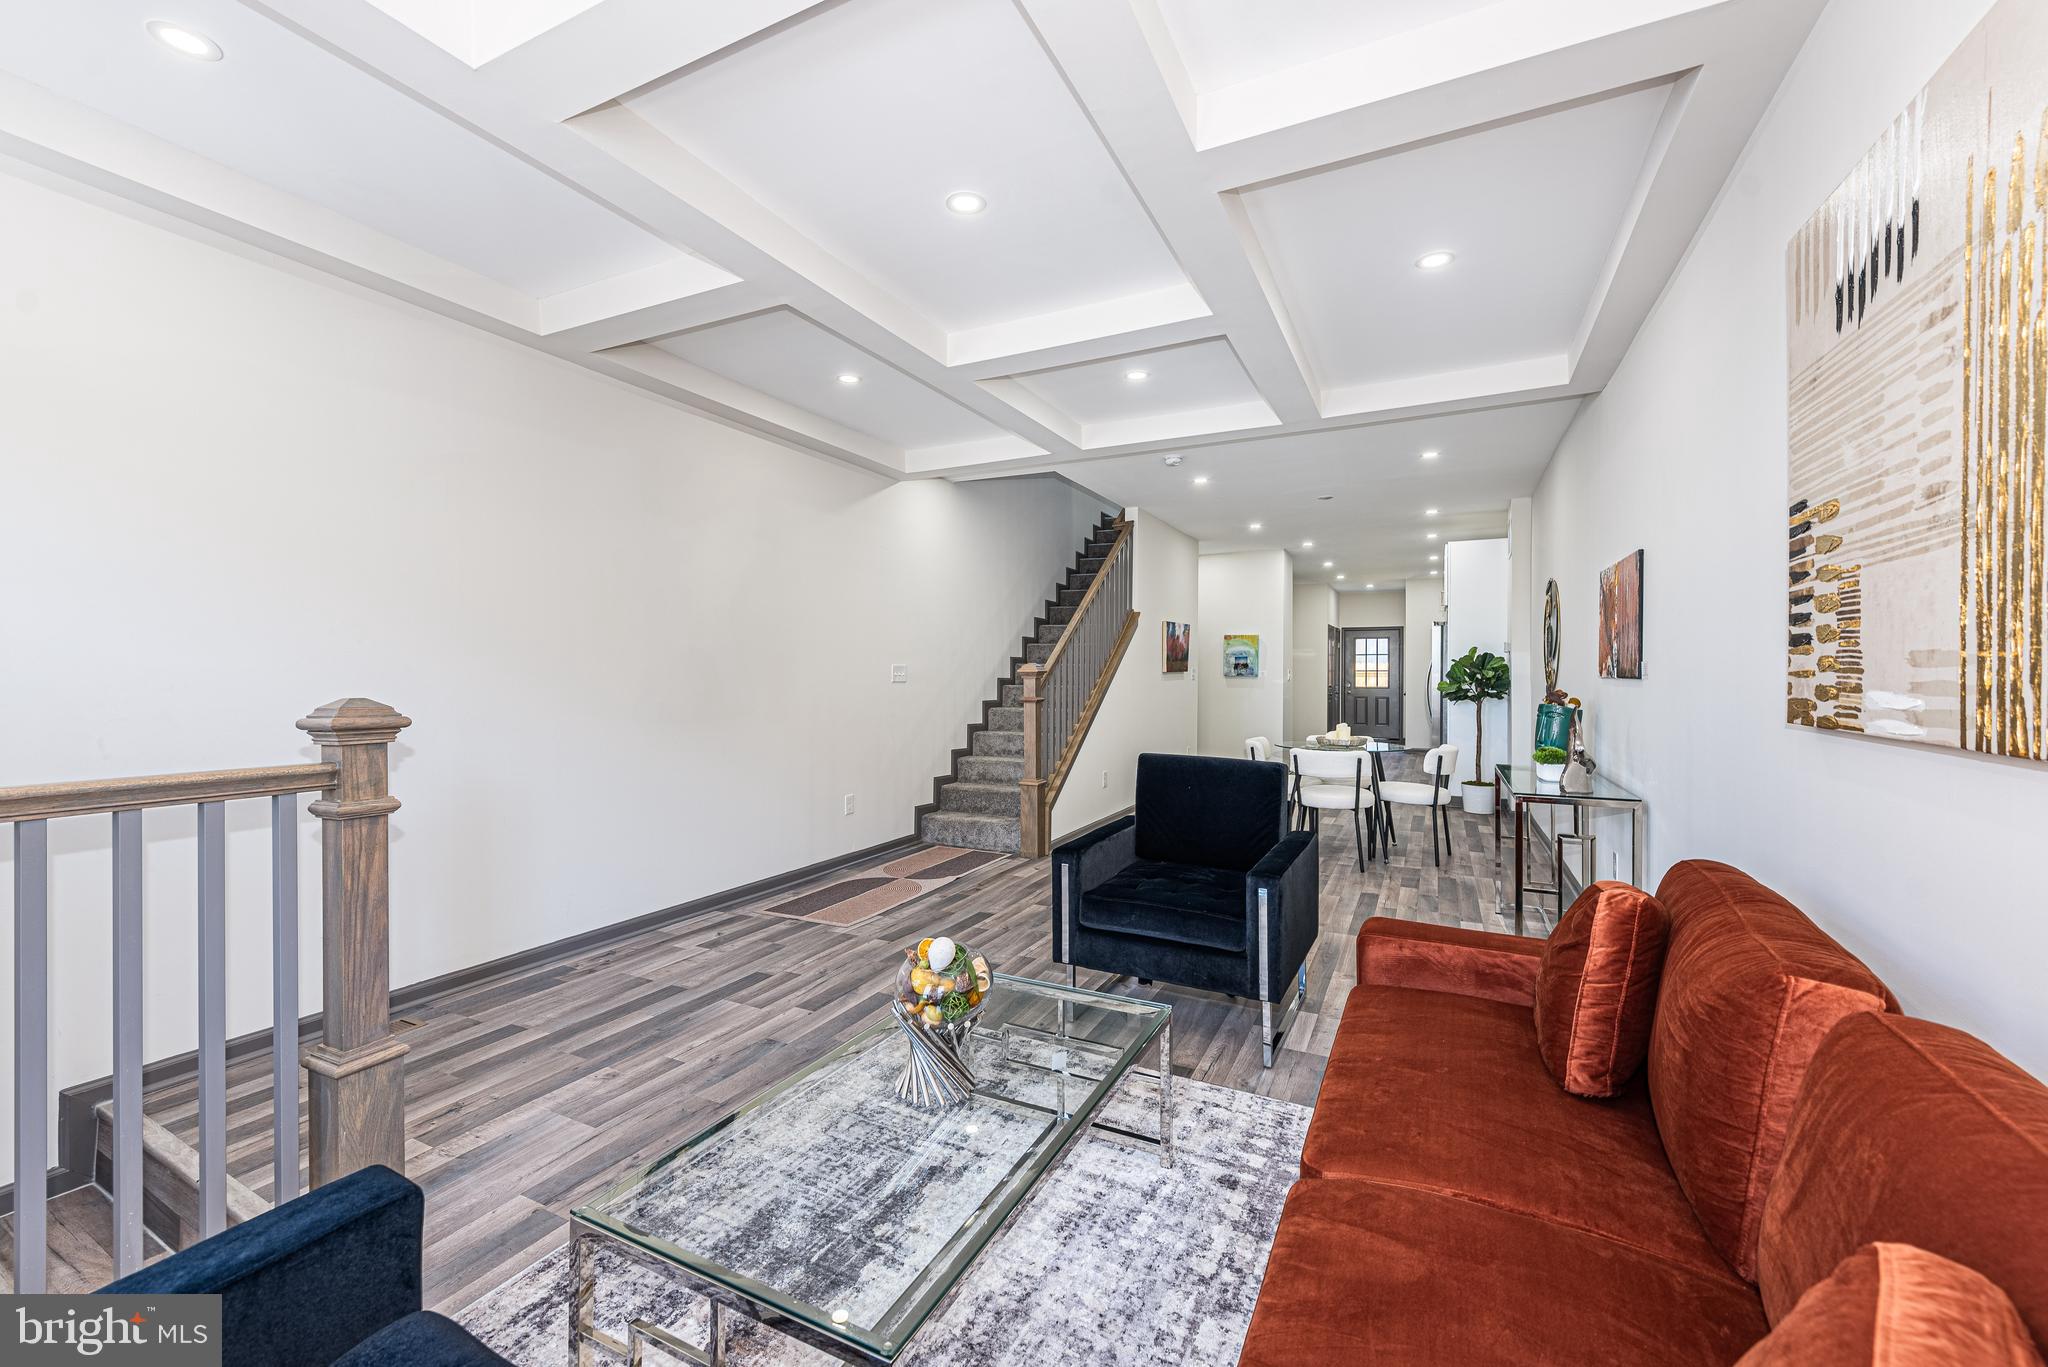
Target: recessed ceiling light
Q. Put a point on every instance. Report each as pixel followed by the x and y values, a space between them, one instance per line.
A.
pixel 1308 545
pixel 1201 479
pixel 184 41
pixel 1135 376
pixel 849 378
pixel 1329 564
pixel 1434 261
pixel 1432 557
pixel 1429 512
pixel 1341 576
pixel 1429 536
pixel 1431 455
pixel 1432 571
pixel 966 202
pixel 1254 526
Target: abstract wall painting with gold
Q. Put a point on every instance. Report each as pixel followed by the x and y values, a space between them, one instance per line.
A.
pixel 1917 317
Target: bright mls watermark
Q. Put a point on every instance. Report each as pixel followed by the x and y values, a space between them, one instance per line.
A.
pixel 167 1331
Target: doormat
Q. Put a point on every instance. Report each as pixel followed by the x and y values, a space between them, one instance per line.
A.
pixel 860 893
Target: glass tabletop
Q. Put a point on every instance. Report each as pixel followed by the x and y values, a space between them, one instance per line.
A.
pixel 1521 781
pixel 831 1200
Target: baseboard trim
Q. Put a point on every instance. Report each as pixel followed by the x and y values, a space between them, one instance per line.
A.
pixel 75 1104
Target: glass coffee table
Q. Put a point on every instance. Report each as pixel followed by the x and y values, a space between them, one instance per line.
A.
pixel 839 1215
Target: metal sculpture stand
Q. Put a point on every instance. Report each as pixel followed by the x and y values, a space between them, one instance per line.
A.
pixel 935 1075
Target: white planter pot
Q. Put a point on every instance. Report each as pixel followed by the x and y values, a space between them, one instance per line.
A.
pixel 1549 773
pixel 1479 798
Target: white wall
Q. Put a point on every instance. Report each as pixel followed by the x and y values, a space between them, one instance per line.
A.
pixel 1243 592
pixel 1925 863
pixel 645 654
pixel 1476 587
pixel 1379 608
pixel 1308 690
pixel 1525 638
pixel 1422 608
pixel 1146 709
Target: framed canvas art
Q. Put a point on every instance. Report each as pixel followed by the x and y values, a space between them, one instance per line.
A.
pixel 1621 618
pixel 1915 605
pixel 1175 648
pixel 1240 657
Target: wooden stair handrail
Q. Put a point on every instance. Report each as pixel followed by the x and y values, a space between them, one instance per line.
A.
pixel 37 801
pixel 1039 790
pixel 1123 538
pixel 1058 779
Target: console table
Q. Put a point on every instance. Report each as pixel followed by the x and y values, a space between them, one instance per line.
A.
pixel 1518 784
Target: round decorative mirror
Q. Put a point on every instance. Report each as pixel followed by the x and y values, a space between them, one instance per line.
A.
pixel 1550 636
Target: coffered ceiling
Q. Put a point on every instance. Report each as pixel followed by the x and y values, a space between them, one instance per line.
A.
pixel 1197 223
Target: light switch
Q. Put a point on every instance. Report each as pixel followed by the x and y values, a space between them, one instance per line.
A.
pixel 899 673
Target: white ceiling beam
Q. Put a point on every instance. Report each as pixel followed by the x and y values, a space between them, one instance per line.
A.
pixel 1437 57
pixel 620 161
pixel 1108 60
pixel 1090 332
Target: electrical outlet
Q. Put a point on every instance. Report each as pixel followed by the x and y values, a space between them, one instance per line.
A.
pixel 899 673
pixel 1105 778
pixel 848 804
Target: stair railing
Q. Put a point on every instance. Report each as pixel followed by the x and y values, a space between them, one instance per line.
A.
pixel 355 1073
pixel 1062 695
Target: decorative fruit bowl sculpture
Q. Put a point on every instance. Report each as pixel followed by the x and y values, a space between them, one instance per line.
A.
pixel 940 988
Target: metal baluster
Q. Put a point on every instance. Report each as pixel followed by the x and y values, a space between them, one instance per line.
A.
pixel 284 995
pixel 213 1015
pixel 127 1042
pixel 31 1051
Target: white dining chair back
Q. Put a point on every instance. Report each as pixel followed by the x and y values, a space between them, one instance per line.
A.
pixel 1440 763
pixel 1258 747
pixel 1350 768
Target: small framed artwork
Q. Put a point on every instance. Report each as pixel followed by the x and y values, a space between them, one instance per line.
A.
pixel 1240 657
pixel 1621 618
pixel 1176 647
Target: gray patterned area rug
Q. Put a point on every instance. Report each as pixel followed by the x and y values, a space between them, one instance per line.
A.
pixel 1112 1261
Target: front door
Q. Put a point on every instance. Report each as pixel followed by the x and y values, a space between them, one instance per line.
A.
pixel 1371 681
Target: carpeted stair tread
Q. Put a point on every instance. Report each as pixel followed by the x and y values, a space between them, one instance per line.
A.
pixel 985 799
pixel 1010 695
pixel 990 769
pixel 1037 652
pixel 971 831
pixel 1006 718
pixel 1009 743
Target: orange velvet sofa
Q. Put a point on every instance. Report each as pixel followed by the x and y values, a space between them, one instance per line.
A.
pixel 1457 1206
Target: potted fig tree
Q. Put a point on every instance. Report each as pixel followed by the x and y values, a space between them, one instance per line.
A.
pixel 1477 677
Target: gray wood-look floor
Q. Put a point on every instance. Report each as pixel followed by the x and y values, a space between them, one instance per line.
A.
pixel 530 1091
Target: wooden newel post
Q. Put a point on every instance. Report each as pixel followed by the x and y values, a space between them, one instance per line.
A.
pixel 355 1075
pixel 1031 832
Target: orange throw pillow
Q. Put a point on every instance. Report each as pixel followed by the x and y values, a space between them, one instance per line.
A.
pixel 1894 1305
pixel 1596 989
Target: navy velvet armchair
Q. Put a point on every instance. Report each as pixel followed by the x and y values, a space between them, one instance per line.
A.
pixel 1202 886
pixel 331 1278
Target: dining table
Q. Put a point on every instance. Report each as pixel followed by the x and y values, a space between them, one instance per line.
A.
pixel 1377 749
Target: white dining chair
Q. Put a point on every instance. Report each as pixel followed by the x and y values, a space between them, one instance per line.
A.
pixel 1258 748
pixel 1435 793
pixel 1337 780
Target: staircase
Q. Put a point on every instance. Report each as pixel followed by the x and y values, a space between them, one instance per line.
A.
pixel 980 803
